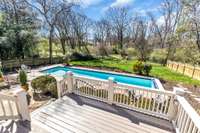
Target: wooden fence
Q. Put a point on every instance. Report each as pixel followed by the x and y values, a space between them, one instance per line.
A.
pixel 185 69
pixel 16 63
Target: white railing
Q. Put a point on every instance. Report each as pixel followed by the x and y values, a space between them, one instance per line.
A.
pixel 187 120
pixel 95 89
pixel 159 103
pixel 8 107
pixel 14 106
pixel 149 101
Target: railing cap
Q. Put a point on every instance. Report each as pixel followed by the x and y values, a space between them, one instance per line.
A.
pixel 111 79
pixel 69 73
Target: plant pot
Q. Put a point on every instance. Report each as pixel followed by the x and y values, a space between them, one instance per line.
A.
pixel 25 87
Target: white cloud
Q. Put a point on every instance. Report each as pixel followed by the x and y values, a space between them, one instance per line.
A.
pixel 161 20
pixel 85 3
pixel 121 3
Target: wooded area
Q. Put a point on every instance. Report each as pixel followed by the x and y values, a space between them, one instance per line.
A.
pixel 174 35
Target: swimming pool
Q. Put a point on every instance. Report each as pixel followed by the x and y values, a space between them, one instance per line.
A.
pixel 130 80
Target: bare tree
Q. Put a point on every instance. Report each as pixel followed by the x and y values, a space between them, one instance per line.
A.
pixel 171 12
pixel 142 44
pixel 191 8
pixel 49 11
pixel 119 18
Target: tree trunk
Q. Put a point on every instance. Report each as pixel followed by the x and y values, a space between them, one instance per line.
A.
pixel 50 45
pixel 62 41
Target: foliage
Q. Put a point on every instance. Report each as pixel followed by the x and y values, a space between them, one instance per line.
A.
pixel 158 56
pixel 17 36
pixel 23 77
pixel 147 69
pixel 45 84
pixel 78 56
pixel 1 74
pixel 138 67
pixel 131 52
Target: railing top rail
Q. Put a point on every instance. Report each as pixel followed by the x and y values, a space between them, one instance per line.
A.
pixel 130 87
pixel 146 89
pixel 190 111
pixel 7 97
pixel 90 78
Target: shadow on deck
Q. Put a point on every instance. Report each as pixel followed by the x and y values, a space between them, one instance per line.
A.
pixel 133 116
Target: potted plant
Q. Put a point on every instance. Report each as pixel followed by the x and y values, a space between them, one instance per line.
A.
pixel 1 76
pixel 23 80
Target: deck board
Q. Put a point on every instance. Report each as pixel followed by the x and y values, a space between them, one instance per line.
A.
pixel 75 114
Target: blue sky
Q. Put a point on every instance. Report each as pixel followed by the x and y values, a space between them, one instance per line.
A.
pixel 95 9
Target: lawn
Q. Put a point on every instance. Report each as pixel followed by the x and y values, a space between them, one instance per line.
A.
pixel 158 70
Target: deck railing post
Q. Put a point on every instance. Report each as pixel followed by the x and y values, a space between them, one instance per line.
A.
pixel 70 81
pixel 110 89
pixel 22 104
pixel 59 89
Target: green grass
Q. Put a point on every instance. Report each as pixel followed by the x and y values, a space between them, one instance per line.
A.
pixel 158 70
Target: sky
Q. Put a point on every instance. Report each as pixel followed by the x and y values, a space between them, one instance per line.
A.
pixel 95 9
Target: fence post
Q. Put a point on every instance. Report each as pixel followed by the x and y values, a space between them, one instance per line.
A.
pixel 70 81
pixel 184 69
pixel 22 104
pixel 110 89
pixel 193 71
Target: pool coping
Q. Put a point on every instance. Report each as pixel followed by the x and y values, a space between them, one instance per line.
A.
pixel 156 80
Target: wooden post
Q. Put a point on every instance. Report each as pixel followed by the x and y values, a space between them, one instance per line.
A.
pixel 70 81
pixel 184 69
pixel 110 89
pixel 22 104
pixel 193 71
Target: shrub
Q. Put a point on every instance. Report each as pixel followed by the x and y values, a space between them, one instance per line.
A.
pixel 141 68
pixel 80 57
pixel 138 67
pixel 101 50
pixel 147 69
pixel 23 77
pixel 45 84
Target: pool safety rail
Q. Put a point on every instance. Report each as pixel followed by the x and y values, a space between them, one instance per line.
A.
pixel 159 103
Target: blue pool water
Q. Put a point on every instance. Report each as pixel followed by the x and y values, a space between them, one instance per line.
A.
pixel 143 82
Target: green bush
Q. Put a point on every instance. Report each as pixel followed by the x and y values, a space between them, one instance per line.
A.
pixel 141 68
pixel 23 77
pixel 80 57
pixel 45 84
pixel 147 69
pixel 138 67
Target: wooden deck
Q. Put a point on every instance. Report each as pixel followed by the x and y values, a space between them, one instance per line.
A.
pixel 74 114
